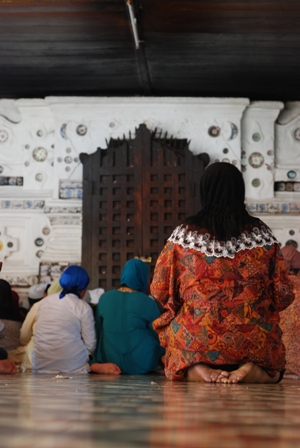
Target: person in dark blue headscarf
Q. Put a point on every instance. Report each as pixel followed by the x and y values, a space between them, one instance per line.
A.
pixel 73 280
pixel 64 334
pixel 124 316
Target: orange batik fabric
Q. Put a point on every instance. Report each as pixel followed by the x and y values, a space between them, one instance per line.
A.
pixel 221 310
pixel 290 325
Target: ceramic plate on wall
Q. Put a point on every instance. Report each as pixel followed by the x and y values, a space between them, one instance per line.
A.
pixel 40 154
pixel 256 160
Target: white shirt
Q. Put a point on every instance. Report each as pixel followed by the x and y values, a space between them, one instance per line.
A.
pixel 64 335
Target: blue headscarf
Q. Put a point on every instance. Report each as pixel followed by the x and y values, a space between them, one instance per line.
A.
pixel 73 280
pixel 135 275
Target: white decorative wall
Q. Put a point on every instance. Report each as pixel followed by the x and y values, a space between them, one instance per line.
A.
pixel 41 175
pixel 258 148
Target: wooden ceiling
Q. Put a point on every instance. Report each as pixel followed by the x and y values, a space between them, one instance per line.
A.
pixel 196 48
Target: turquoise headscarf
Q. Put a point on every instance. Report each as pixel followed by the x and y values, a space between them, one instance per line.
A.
pixel 73 280
pixel 135 275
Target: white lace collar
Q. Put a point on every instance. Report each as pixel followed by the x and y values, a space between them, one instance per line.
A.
pixel 188 239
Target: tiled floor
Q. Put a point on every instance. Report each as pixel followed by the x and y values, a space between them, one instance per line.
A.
pixel 38 411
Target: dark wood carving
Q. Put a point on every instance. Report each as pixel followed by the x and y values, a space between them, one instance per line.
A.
pixel 135 193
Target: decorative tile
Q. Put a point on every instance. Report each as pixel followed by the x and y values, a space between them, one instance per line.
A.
pixel 7 204
pixel 66 193
pixel 48 271
pixel 262 208
pixel 62 210
pixel 18 204
pixel 70 189
pixel 289 186
pixel 39 204
pixel 29 204
pixel 273 208
pixel 11 181
pixel 284 208
pixel 66 220
pixel 294 207
pixel 44 269
pixel 279 186
pixel 78 193
pixel 76 184
pixel 251 207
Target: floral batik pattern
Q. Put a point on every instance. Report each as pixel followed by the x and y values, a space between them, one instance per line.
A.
pixel 221 310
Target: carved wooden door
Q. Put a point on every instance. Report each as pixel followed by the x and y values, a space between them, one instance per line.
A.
pixel 135 193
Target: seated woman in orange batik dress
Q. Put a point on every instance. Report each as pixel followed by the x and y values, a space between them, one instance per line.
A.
pixel 222 281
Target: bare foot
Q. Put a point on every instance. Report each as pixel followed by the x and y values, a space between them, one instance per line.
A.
pixel 249 373
pixel 108 368
pixel 204 373
pixel 7 366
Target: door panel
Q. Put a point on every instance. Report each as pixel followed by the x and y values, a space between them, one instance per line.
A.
pixel 135 193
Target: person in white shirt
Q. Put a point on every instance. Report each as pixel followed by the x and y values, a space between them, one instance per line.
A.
pixel 65 330
pixel 23 354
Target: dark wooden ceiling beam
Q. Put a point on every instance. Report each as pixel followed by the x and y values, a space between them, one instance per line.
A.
pixel 141 57
pixel 220 16
pixel 78 47
pixel 243 48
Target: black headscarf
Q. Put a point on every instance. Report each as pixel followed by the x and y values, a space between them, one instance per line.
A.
pixel 223 214
pixel 7 309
